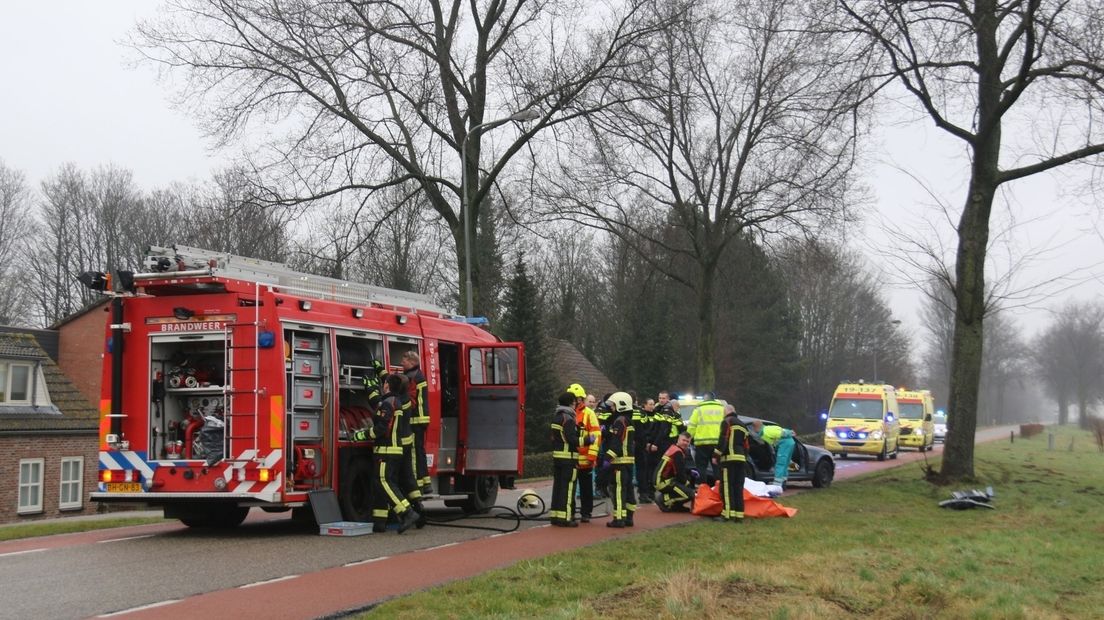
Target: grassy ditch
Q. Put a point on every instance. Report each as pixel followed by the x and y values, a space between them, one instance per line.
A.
pixel 69 526
pixel 874 546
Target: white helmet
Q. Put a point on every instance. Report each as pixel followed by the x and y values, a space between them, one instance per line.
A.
pixel 620 402
pixel 529 501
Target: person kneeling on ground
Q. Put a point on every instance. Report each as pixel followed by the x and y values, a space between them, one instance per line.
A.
pixel 673 477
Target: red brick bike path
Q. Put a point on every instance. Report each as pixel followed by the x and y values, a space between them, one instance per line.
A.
pixel 346 588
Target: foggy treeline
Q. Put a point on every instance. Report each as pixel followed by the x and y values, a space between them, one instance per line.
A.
pixel 671 186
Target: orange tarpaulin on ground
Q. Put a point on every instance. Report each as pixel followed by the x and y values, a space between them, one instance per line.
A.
pixel 755 506
pixel 708 503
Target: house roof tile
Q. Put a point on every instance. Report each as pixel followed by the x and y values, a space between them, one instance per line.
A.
pixel 571 366
pixel 70 410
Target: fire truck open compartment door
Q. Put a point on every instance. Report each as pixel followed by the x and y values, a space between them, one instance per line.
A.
pixel 492 424
pixel 187 375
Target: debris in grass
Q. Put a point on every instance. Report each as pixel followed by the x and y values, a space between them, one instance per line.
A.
pixel 963 500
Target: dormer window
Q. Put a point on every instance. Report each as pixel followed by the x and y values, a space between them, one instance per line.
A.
pixel 15 382
pixel 22 383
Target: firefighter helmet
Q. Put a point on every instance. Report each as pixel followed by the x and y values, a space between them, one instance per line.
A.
pixel 530 504
pixel 620 402
pixel 576 390
pixel 529 499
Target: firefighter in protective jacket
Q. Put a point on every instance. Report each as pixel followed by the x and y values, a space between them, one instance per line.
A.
pixel 388 429
pixel 587 424
pixel 731 455
pixel 419 419
pixel 673 478
pixel 565 441
pixel 620 453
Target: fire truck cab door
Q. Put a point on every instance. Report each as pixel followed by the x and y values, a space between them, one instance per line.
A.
pixel 492 423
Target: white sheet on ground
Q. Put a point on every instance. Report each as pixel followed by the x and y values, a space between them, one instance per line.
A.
pixel 762 489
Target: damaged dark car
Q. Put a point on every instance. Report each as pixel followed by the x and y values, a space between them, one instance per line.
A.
pixel 808 463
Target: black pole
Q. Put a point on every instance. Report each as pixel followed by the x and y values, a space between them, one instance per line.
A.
pixel 116 365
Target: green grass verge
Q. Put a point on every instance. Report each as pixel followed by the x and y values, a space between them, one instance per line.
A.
pixel 875 546
pixel 69 526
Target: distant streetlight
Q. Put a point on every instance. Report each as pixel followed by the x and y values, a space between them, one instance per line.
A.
pixel 894 323
pixel 524 115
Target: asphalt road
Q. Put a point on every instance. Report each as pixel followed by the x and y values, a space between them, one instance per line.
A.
pixel 93 573
pixel 142 568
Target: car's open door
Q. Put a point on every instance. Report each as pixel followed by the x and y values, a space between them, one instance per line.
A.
pixel 492 424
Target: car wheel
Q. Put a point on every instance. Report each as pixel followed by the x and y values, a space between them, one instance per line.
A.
pixel 822 476
pixel 882 456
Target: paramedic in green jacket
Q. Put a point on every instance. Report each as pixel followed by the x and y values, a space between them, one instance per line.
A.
pixel 783 442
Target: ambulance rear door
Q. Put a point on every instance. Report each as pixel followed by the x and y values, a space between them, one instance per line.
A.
pixel 492 422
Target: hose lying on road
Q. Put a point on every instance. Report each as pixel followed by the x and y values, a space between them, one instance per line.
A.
pixel 529 507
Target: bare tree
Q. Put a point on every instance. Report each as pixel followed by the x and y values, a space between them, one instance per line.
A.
pixel 225 215
pixel 397 244
pixel 975 67
pixel 937 319
pixel 742 122
pixel 359 95
pixel 1070 359
pixel 65 246
pixel 15 227
pixel 845 320
pixel 1005 358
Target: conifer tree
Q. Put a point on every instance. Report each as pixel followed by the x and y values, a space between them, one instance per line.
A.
pixel 522 322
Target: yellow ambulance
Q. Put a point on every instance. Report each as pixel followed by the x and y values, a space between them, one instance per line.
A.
pixel 863 420
pixel 917 426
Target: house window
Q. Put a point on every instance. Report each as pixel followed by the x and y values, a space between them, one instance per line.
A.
pixel 72 483
pixel 30 486
pixel 15 383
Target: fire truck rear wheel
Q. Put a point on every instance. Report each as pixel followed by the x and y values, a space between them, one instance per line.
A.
pixel 484 496
pixel 355 494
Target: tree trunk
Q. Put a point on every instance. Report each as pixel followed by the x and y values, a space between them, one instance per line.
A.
pixel 707 371
pixel 462 287
pixel 958 455
pixel 1063 409
pixel 469 219
pixel 973 239
pixel 1082 408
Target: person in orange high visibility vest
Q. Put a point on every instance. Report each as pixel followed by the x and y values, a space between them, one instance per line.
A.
pixel 587 423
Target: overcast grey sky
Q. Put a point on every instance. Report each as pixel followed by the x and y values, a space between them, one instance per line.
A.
pixel 71 95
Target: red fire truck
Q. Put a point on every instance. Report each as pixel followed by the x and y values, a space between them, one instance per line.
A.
pixel 232 383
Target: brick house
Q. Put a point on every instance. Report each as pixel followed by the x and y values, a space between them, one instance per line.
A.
pixel 80 347
pixel 48 436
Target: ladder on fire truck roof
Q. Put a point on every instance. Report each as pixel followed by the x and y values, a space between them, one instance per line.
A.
pixel 181 260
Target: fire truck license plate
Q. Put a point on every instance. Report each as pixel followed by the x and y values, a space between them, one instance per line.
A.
pixel 124 487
